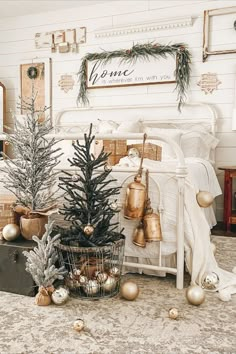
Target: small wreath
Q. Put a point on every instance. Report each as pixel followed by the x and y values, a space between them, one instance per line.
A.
pixel 32 72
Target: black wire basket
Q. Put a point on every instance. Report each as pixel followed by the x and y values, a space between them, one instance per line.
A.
pixel 93 272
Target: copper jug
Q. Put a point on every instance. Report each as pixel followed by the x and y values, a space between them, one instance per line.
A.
pixel 136 194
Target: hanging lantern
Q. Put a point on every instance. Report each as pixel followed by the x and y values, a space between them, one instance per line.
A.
pixel 151 221
pixel 136 194
pixel 138 238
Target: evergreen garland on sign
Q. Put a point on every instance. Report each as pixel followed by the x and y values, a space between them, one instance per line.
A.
pixel 142 51
pixel 87 194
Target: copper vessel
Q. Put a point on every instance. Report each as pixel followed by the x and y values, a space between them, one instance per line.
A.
pixel 136 194
pixel 138 237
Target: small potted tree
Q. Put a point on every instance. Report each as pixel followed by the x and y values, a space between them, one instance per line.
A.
pixel 41 264
pixel 30 175
pixel 92 247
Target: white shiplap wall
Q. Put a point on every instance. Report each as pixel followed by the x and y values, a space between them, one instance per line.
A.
pixel 17 44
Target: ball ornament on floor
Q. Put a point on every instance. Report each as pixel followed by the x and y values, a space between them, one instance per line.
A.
pixel 78 325
pixel 10 232
pixel 195 295
pixel 173 313
pixel 210 281
pixel 60 296
pixel 129 290
pixel 204 199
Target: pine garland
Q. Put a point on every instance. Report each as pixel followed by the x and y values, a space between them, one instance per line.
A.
pixel 144 52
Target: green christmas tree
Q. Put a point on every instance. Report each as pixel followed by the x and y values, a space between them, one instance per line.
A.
pixel 30 175
pixel 90 198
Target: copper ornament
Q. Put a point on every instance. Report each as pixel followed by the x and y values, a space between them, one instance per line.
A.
pixel 136 194
pixel 88 230
pixel 138 237
pixel 151 220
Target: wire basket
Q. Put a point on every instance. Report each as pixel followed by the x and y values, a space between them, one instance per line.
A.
pixel 93 272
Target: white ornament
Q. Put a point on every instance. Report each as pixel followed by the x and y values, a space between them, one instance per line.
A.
pixel 91 287
pixel 10 232
pixel 60 296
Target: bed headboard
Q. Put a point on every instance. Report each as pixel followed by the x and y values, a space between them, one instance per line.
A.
pixel 194 117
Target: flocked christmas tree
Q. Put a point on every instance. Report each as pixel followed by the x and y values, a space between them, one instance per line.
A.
pixel 90 198
pixel 30 175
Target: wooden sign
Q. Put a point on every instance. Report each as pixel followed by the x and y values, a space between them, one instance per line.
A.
pixel 66 83
pixel 118 73
pixel 208 82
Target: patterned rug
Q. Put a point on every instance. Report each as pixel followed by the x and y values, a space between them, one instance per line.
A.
pixel 117 326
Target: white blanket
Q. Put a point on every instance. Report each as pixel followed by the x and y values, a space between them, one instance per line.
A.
pixel 199 256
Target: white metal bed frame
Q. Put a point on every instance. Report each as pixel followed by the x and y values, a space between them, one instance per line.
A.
pixel 61 132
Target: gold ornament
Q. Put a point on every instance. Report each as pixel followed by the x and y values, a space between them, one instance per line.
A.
pixel 91 287
pixel 129 290
pixel 10 232
pixel 210 281
pixel 60 296
pixel 138 237
pixel 78 325
pixel 173 313
pixel 195 295
pixel 204 199
pixel 88 230
pixel 109 284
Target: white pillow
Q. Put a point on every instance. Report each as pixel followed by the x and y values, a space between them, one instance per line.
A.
pixel 167 151
pixel 128 127
pixel 198 144
pixel 106 126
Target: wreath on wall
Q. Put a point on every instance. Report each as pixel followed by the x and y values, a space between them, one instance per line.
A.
pixel 142 51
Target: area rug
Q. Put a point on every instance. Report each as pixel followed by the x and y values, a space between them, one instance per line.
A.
pixel 118 326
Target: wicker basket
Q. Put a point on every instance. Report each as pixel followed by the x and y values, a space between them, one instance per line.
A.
pixel 93 272
pixel 7 214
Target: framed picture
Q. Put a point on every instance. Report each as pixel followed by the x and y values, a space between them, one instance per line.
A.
pixel 218 31
pixel 116 73
pixel 35 77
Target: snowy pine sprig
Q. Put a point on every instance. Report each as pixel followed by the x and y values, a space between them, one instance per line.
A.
pixel 41 261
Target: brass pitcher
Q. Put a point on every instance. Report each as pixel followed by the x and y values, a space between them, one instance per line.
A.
pixel 138 237
pixel 136 194
pixel 151 220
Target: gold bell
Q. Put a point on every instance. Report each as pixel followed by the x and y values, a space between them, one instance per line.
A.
pixel 139 238
pixel 152 227
pixel 135 199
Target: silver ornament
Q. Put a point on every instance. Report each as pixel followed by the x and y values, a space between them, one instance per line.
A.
pixel 78 325
pixel 101 277
pixel 107 167
pixel 91 287
pixel 60 296
pixel 195 295
pixel 109 284
pixel 83 279
pixel 210 281
pixel 133 152
pixel 173 313
pixel 75 178
pixel 114 271
pixel 10 232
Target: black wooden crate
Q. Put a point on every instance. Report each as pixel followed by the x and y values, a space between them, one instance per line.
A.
pixel 13 276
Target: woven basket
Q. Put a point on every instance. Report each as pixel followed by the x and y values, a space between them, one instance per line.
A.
pixel 7 214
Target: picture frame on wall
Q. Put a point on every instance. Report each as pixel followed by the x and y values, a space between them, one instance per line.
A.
pixel 117 73
pixel 217 23
pixel 36 75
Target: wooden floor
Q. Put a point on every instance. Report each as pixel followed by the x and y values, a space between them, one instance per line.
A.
pixel 219 230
